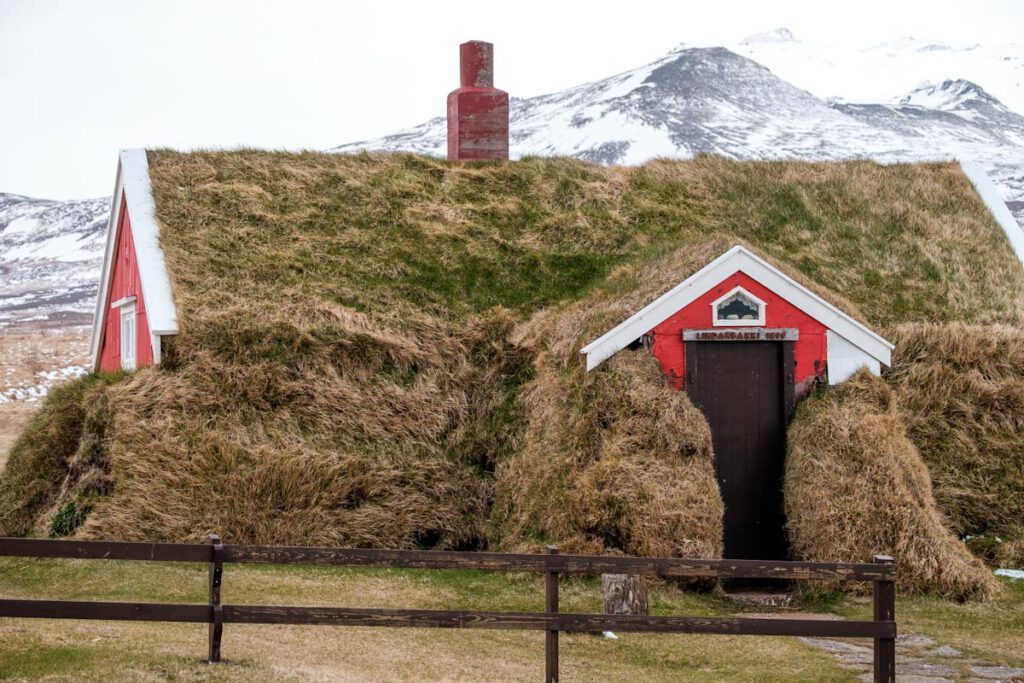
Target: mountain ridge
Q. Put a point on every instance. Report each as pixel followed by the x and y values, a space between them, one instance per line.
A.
pixel 50 255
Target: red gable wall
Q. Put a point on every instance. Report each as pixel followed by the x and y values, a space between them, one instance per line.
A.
pixel 125 282
pixel 809 351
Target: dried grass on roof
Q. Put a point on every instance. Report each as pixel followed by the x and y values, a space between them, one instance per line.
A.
pixel 613 459
pixel 856 486
pixel 383 349
pixel 365 436
pixel 51 459
pixel 390 233
pixel 960 389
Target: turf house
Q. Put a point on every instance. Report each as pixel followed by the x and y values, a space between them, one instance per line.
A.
pixel 697 358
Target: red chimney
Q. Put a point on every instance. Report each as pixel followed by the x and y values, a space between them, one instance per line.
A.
pixel 477 111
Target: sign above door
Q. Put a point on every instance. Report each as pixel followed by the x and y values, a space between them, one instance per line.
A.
pixel 750 334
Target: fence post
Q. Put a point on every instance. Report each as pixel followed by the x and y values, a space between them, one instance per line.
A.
pixel 217 611
pixel 551 636
pixel 885 610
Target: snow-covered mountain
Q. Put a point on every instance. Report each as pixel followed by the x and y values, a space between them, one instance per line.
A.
pixel 50 256
pixel 715 100
pixel 885 72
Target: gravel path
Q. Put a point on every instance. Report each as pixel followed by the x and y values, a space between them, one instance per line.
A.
pixel 919 659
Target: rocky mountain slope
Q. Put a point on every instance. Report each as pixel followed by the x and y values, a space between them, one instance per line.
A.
pixel 50 256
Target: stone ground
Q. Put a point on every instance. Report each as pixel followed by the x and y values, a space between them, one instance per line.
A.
pixel 919 659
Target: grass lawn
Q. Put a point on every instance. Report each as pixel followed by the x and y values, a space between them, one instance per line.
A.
pixel 80 650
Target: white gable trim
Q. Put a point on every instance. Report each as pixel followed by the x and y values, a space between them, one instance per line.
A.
pixel 995 203
pixel 123 302
pixel 132 183
pixel 736 259
pixel 844 359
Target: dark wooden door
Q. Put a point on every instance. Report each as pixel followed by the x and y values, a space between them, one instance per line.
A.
pixel 739 386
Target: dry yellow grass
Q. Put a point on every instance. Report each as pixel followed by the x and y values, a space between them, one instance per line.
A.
pixel 13 418
pixel 379 232
pixel 61 453
pixel 36 649
pixel 856 485
pixel 383 350
pixel 367 440
pixel 43 649
pixel 960 389
pixel 23 355
pixel 613 459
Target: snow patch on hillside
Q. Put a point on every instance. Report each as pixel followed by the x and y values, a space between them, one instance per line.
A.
pixel 50 256
pixel 884 72
pixel 779 35
pixel 44 381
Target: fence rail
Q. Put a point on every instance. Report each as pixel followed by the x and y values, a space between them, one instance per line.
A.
pixel 881 573
pixel 433 559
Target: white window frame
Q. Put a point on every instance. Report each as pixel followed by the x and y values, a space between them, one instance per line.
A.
pixel 761 306
pixel 129 337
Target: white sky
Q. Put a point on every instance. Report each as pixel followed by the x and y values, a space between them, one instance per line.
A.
pixel 80 79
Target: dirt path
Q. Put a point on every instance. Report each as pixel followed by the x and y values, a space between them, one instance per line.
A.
pixel 919 659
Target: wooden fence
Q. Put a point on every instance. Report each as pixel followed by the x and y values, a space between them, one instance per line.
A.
pixel 881 573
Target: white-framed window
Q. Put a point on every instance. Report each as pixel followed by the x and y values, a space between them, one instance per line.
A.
pixel 738 308
pixel 128 336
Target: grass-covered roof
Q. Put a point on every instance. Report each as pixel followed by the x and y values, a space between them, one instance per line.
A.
pixel 377 233
pixel 383 350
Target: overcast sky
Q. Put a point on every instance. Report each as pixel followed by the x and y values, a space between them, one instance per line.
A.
pixel 80 79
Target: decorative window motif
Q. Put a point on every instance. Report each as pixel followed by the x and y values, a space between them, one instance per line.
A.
pixel 738 307
pixel 128 336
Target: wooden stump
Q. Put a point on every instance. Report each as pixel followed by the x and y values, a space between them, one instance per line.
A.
pixel 624 594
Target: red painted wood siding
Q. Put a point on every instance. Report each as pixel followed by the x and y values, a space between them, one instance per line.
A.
pixel 125 282
pixel 810 351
